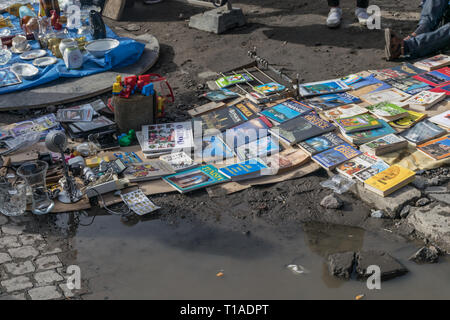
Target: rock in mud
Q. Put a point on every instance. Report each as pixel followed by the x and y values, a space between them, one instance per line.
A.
pixel 432 222
pixel 331 202
pixel 405 211
pixel 426 255
pixel 389 266
pixel 420 182
pixel 378 214
pixel 341 264
pixel 422 202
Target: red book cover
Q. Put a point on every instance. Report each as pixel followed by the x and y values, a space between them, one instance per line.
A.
pixel 444 88
pixel 435 78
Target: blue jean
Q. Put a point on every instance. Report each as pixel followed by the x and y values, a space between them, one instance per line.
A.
pixel 431 38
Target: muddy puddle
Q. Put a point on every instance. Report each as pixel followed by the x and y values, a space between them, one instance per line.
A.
pixel 158 259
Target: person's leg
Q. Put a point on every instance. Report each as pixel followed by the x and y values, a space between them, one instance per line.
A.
pixel 361 11
pixel 428 43
pixel 335 14
pixel 431 16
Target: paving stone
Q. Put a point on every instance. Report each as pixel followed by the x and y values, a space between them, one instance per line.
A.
pixel 24 252
pixel 52 251
pixel 432 222
pixel 44 293
pixel 17 283
pixel 47 277
pixel 18 296
pixel 389 266
pixel 9 242
pixel 4 257
pixel 18 269
pixel 13 230
pixel 3 220
pixel 444 198
pixel 48 262
pixel 30 239
pixel 391 204
pixel 67 292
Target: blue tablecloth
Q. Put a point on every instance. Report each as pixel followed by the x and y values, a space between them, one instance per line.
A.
pixel 128 52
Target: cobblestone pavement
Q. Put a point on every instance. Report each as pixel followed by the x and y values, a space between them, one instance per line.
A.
pixel 33 263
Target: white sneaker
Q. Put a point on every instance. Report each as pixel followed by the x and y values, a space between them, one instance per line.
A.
pixel 362 16
pixel 334 17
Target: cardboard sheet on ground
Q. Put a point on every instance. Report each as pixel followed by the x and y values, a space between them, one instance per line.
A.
pixel 232 187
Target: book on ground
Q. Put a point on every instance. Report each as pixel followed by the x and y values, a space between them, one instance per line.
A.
pixel 344 112
pixel 425 100
pixel 409 85
pixel 411 119
pixel 167 136
pixel 389 95
pixel 445 89
pixel 359 163
pixel 435 78
pixel 387 111
pixel 247 132
pixel 149 170
pixel 404 70
pixel 285 160
pixel 329 101
pixel 228 81
pixel 179 161
pixel 386 144
pixel 436 149
pixel 248 169
pixel 301 128
pixel 433 63
pixel 362 137
pixel 357 123
pixel 193 179
pixel 374 169
pixel 259 148
pixel 422 132
pixel 320 143
pixel 212 149
pixel 389 180
pixel 442 119
pixel 333 157
pixel 322 87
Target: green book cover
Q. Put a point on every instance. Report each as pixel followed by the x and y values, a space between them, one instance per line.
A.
pixel 359 123
pixel 386 109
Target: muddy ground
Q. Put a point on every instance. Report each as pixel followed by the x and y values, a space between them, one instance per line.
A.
pixel 290 34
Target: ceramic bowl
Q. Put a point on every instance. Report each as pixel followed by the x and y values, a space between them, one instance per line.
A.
pixel 25 70
pixel 98 48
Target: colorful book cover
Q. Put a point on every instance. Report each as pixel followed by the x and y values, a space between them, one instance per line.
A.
pixel 437 149
pixel 385 141
pixel 196 178
pixel 444 88
pixel 345 111
pixel 435 78
pixel 280 113
pixel 152 169
pixel 390 178
pixel 422 131
pixel 258 149
pixel 329 101
pixel 425 98
pixel 220 95
pixel 302 128
pixel 298 106
pixel 389 95
pixel 359 163
pixel 364 136
pixel 433 63
pixel 369 81
pixel 212 148
pixel 351 79
pixel 242 169
pixel 333 157
pixel 408 121
pixel 409 85
pixel 322 87
pixel 442 119
pixel 404 70
pixel 320 143
pixel 167 136
pixel 374 169
pixel 286 159
pixel 386 109
pixel 269 88
pixel 179 161
pixel 228 81
pixel 247 132
pixel 358 123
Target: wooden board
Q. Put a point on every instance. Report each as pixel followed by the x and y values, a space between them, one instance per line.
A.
pixel 70 90
pixel 113 9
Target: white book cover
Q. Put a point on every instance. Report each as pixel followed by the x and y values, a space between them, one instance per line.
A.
pixel 442 119
pixel 345 111
pixel 179 161
pixel 387 95
pixel 433 63
pixel 426 98
pixel 167 136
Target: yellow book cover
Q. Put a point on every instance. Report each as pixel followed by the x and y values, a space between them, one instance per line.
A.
pixel 390 178
pixel 408 121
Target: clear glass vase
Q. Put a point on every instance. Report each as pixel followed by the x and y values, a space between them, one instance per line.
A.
pixel 13 199
pixel 34 174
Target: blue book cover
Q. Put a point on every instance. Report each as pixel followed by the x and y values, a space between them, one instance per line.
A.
pixel 258 149
pixel 213 149
pixel 280 113
pixel 334 100
pixel 196 178
pixel 243 168
pixel 333 157
pixel 368 81
pixel 247 132
pixel 369 135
